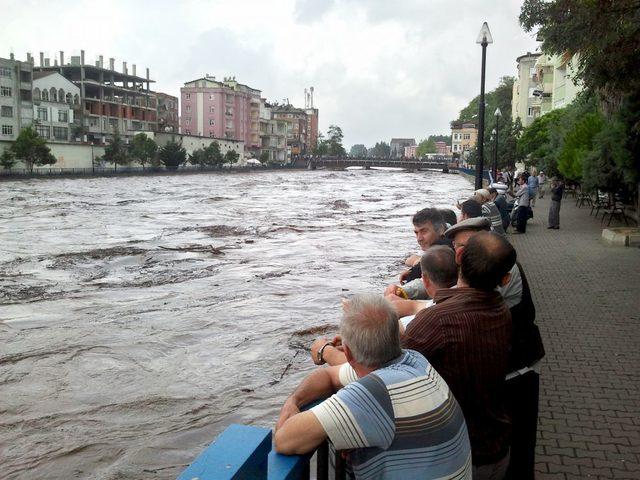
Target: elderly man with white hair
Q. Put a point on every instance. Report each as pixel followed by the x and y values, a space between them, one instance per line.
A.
pixel 388 409
pixel 490 210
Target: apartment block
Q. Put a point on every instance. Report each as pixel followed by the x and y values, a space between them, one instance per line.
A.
pixel 168 119
pixel 221 109
pixel 16 107
pixel 464 136
pixel 397 146
pixel 273 135
pixel 110 100
pixel 298 142
pixel 54 101
pixel 544 82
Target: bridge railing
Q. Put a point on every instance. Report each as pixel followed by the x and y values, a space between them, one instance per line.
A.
pixel 246 452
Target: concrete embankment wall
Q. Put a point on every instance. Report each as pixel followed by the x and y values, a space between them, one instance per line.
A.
pixel 69 155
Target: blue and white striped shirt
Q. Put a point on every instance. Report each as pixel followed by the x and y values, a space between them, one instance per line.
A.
pixel 400 421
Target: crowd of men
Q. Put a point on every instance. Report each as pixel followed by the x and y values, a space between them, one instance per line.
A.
pixel 439 376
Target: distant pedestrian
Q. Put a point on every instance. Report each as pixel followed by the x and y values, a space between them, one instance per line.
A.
pixel 542 180
pixel 522 211
pixel 557 190
pixel 532 182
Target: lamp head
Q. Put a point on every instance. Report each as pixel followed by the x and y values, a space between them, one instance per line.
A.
pixel 484 37
pixel 498 112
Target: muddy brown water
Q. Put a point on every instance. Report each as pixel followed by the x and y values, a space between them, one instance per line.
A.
pixel 140 316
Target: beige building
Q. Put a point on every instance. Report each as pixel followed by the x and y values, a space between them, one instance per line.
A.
pixel 16 107
pixel 464 136
pixel 522 99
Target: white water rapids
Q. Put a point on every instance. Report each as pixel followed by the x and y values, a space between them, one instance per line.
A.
pixel 139 316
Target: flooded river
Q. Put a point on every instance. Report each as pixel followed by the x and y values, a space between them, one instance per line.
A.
pixel 139 316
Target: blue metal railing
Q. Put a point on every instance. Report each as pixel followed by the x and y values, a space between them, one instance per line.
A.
pixel 245 452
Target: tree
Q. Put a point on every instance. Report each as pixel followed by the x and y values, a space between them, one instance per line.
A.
pixel 231 157
pixel 380 149
pixel 32 149
pixel 440 138
pixel 212 155
pixel 7 159
pixel 172 155
pixel 577 144
pixel 322 146
pixel 264 157
pixel 334 139
pixel 116 151
pixel 358 150
pixel 143 148
pixel 198 158
pixel 427 145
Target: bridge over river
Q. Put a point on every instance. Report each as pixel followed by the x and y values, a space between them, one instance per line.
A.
pixel 340 163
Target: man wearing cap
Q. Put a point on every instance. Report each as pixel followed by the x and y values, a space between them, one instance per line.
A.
pixel 466 336
pixel 498 198
pixel 490 210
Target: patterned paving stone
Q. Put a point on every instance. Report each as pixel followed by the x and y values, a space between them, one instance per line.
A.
pixel 587 297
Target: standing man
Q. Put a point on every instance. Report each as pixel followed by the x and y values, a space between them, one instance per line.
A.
pixel 542 180
pixel 557 190
pixel 490 210
pixel 466 336
pixel 391 412
pixel 522 212
pixel 501 203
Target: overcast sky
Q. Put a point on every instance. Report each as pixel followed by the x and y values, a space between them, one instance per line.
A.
pixel 380 68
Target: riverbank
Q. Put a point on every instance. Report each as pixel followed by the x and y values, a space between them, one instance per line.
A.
pixel 588 309
pixel 133 171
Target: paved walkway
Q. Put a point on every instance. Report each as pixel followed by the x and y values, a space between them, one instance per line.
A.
pixel 587 296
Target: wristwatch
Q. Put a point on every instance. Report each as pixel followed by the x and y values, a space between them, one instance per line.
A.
pixel 321 351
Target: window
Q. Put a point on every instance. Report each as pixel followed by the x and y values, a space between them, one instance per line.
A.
pixel 7 129
pixel 5 91
pixel 211 97
pixel 187 96
pixel 6 111
pixel 467 136
pixel 187 122
pixel 43 130
pixel 60 133
pixel 211 122
pixel 5 72
pixel 69 98
pixel 211 109
pixel 63 115
pixel 531 89
pixel 188 108
pixel 45 95
pixel 53 95
pixel 530 112
pixel 43 114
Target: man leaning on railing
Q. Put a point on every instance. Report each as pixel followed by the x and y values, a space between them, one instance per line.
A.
pixel 388 410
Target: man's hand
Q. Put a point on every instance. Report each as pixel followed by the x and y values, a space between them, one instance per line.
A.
pixel 391 290
pixel 289 409
pixel 315 349
pixel 404 275
pixel 412 260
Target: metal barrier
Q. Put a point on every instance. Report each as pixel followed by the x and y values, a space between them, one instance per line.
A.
pixel 245 452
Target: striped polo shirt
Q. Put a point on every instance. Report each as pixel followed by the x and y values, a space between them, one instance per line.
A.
pixel 399 422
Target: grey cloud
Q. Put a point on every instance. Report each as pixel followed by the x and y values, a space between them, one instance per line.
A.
pixel 310 11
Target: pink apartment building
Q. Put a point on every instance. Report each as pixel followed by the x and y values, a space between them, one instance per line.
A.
pixel 221 109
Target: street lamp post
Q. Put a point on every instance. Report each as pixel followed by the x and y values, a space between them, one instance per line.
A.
pixel 484 39
pixel 494 141
pixel 494 171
